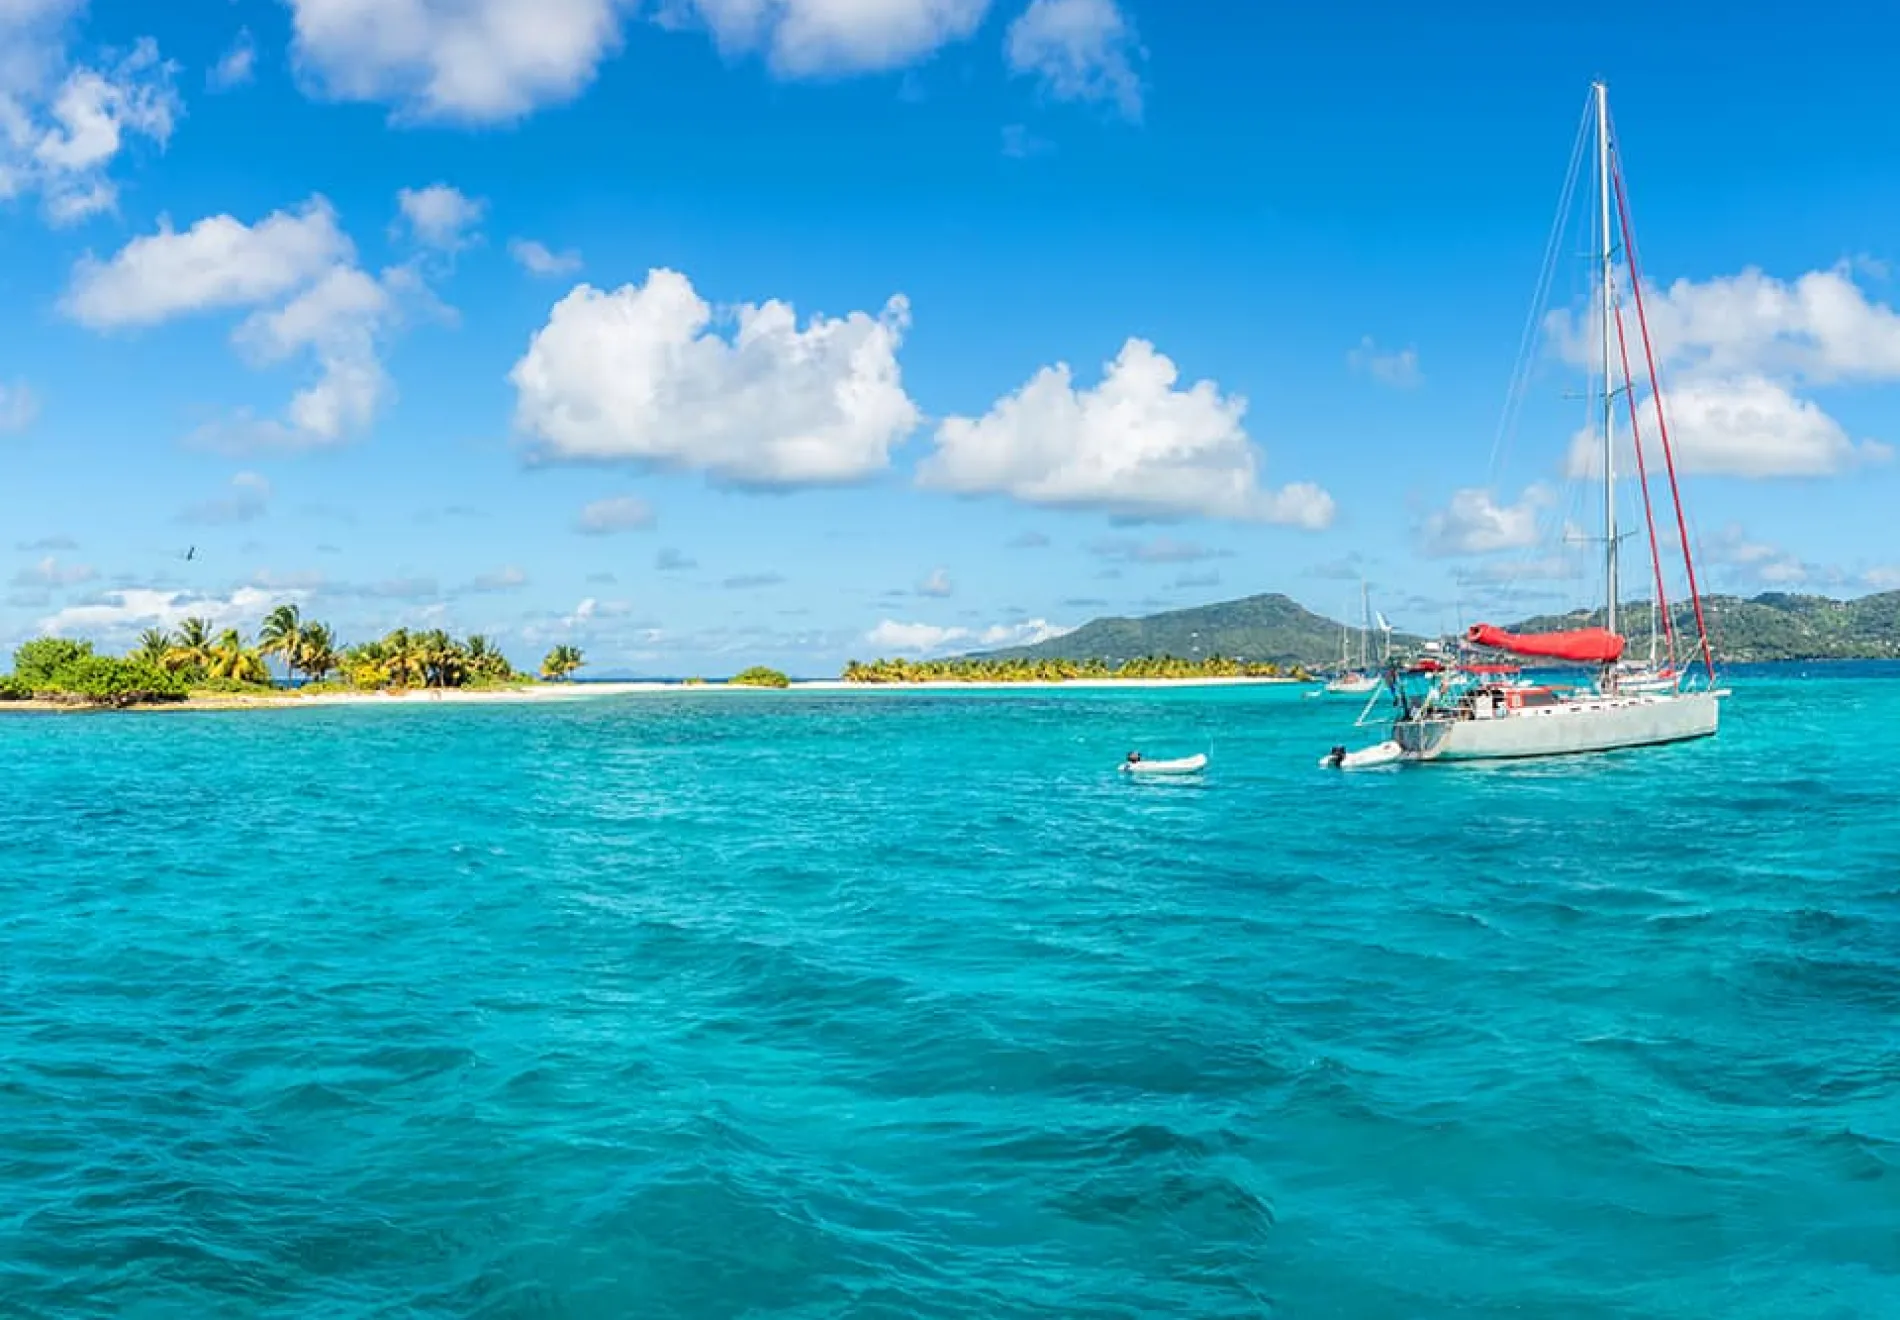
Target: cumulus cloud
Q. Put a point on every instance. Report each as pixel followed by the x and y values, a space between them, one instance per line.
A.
pixel 621 514
pixel 938 585
pixel 1399 368
pixel 118 612
pixel 439 216
pixel 1476 524
pixel 674 561
pixel 1080 50
pixel 640 374
pixel 489 61
pixel 62 128
pixel 469 61
pixel 818 38
pixel 1133 445
pixel 18 407
pixel 539 259
pixel 297 271
pixel 237 66
pixel 899 638
pixel 1736 427
pixel 247 500
pixel 218 263
pixel 1735 350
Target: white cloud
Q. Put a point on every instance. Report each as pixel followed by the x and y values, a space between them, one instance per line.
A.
pixel 248 500
pixel 1734 350
pixel 297 271
pixel 621 514
pixel 336 320
pixel 32 42
pixel 538 259
pixel 817 38
pixel 639 374
pixel 1749 561
pixel 1082 50
pixel 50 572
pixel 489 61
pixel 140 607
pixel 925 638
pixel 59 135
pixel 1818 328
pixel 1134 445
pixel 1398 369
pixel 1474 523
pixel 218 263
pixel 440 216
pixel 938 584
pixel 470 61
pixel 1883 577
pixel 1738 427
pixel 237 66
pixel 18 407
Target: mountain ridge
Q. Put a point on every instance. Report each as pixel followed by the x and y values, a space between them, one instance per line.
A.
pixel 1273 627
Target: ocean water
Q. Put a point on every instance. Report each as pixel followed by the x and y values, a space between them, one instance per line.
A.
pixel 908 1006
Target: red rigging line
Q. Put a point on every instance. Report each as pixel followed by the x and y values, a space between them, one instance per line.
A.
pixel 1642 477
pixel 1662 423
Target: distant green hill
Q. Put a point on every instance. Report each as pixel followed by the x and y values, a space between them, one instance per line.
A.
pixel 1260 629
pixel 1773 626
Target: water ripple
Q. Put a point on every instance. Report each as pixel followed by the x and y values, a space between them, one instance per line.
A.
pixel 693 1007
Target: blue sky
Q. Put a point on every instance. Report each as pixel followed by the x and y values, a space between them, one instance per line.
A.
pixel 299 283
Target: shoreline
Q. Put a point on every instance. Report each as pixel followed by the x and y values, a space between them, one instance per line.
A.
pixel 585 691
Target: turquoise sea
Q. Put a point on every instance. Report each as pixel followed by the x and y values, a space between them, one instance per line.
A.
pixel 807 1005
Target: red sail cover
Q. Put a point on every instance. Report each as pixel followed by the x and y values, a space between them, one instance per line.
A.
pixel 1585 646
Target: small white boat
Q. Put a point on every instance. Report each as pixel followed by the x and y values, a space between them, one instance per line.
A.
pixel 1365 758
pixel 1186 765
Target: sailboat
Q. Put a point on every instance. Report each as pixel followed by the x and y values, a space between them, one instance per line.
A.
pixel 1351 680
pixel 1464 713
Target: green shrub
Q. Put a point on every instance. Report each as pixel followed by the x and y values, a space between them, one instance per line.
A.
pixel 37 662
pixel 760 677
pixel 12 689
pixel 102 680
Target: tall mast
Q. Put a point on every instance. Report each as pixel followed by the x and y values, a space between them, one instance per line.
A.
pixel 1609 392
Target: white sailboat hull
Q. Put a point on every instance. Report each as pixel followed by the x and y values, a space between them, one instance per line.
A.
pixel 1599 724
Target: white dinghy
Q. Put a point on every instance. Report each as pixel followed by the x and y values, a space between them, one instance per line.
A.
pixel 1186 765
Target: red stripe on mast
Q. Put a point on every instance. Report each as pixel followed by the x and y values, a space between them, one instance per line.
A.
pixel 1662 422
pixel 1642 476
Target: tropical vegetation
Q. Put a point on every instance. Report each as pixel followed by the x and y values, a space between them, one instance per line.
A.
pixel 196 657
pixel 561 662
pixel 983 669
pixel 759 676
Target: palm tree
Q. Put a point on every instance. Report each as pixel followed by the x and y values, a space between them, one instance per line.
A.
pixel 193 648
pixel 561 663
pixel 282 636
pixel 233 661
pixel 442 660
pixel 317 652
pixel 485 659
pixel 155 647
